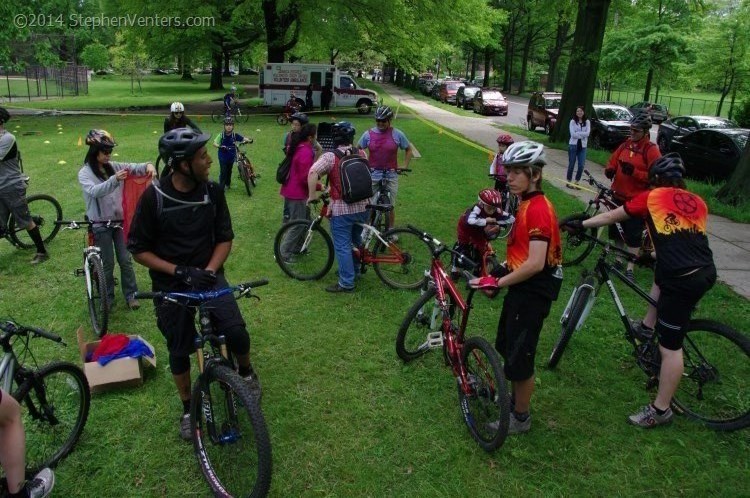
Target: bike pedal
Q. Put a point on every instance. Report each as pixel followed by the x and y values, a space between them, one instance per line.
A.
pixel 79 272
pixel 435 339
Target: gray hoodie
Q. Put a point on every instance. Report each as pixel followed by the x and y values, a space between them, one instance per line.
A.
pixel 104 198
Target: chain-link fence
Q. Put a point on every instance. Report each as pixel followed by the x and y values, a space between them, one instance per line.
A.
pixel 40 82
pixel 677 106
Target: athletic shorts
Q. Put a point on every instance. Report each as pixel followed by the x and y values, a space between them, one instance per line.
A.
pixel 13 201
pixel 518 331
pixel 177 323
pixel 676 302
pixel 632 229
pixel 391 182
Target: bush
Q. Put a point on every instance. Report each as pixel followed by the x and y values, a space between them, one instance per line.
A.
pixel 742 117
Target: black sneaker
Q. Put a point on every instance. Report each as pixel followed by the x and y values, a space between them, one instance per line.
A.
pixel 185 428
pixel 640 331
pixel 40 257
pixel 252 381
pixel 336 288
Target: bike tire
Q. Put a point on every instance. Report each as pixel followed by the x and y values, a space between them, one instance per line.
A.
pixel 411 341
pixel 217 116
pixel 56 407
pixel 96 295
pixel 410 256
pixel 242 171
pixel 238 462
pixel 713 389
pixel 575 247
pixel 577 305
pixel 45 210
pixel 309 260
pixel 282 119
pixel 489 402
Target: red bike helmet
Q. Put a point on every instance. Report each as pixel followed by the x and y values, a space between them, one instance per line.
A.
pixel 505 139
pixel 491 197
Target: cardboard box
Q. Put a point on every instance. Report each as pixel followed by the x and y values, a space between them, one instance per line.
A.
pixel 122 372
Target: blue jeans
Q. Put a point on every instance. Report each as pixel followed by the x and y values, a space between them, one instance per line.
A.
pixel 111 241
pixel 573 154
pixel 347 233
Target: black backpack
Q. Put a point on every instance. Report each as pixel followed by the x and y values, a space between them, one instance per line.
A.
pixel 354 176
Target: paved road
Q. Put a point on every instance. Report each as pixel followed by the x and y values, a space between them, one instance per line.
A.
pixel 729 241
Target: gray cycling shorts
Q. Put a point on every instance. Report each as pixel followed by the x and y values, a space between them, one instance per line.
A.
pixel 13 201
pixel 391 179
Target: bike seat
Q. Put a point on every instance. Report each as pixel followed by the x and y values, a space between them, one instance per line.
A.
pixel 381 207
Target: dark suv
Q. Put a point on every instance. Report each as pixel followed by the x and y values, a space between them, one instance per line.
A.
pixel 465 96
pixel 542 111
pixel 610 125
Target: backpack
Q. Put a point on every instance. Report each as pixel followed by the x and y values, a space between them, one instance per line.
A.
pixel 285 167
pixel 354 176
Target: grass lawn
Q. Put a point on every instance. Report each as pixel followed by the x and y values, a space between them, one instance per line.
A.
pixel 346 417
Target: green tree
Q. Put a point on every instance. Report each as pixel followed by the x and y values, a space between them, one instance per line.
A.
pixel 95 56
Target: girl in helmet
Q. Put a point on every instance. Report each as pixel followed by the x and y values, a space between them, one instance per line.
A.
pixel 226 143
pixel 479 224
pixel 101 180
pixel 178 119
pixel 496 166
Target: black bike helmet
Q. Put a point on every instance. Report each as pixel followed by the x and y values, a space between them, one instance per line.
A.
pixel 642 121
pixel 383 113
pixel 229 120
pixel 343 133
pixel 301 117
pixel 4 115
pixel 181 143
pixel 667 166
pixel 100 139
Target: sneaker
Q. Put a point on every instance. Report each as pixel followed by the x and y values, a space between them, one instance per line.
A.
pixel 640 331
pixel 516 426
pixel 336 288
pixel 40 257
pixel 41 485
pixel 577 185
pixel 252 381
pixel 133 304
pixel 569 185
pixel 185 432
pixel 648 417
pixel 630 275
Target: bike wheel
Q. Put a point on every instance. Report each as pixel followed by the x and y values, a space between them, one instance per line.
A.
pixel 303 250
pixel 45 210
pixel 570 318
pixel 242 171
pixel 55 408
pixel 217 116
pixel 404 259
pixel 230 438
pixel 713 389
pixel 96 294
pixel 239 117
pixel 282 119
pixel 575 247
pixel 486 409
pixel 422 320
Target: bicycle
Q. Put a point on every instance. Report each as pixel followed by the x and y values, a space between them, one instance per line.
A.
pixel 577 248
pixel 229 431
pixel 438 320
pixel 510 205
pixel 235 112
pixel 245 170
pixel 290 107
pixel 717 358
pixel 56 396
pixel 304 250
pixel 93 273
pixel 44 209
pixel 381 219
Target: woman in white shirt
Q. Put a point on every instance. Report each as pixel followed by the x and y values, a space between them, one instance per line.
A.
pixel 580 128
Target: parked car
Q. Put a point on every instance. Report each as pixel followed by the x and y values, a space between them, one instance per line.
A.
pixel 465 96
pixel 658 112
pixel 490 101
pixel 711 152
pixel 448 91
pixel 427 87
pixel 610 126
pixel 542 110
pixel 435 92
pixel 679 126
pixel 160 72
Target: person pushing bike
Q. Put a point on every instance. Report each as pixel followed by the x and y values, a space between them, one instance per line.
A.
pixel 182 231
pixel 684 272
pixel 226 143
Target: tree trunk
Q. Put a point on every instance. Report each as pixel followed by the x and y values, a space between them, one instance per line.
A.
pixel 487 65
pixel 277 25
pixel 525 58
pixel 649 80
pixel 556 51
pixel 731 102
pixel 724 92
pixel 473 64
pixel 737 188
pixel 216 83
pixel 584 63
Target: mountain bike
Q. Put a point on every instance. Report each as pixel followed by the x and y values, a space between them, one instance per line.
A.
pixel 230 438
pixel 235 112
pixel 381 219
pixel 245 170
pixel 93 273
pixel 304 250
pixel 290 107
pixel 55 397
pixel 713 389
pixel 576 248
pixel 438 320
pixel 44 211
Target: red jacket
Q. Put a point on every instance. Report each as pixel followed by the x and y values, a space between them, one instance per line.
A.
pixel 641 155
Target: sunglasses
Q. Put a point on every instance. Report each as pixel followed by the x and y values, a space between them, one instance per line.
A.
pixel 381 120
pixel 106 152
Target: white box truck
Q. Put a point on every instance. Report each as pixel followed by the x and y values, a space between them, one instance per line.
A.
pixel 278 81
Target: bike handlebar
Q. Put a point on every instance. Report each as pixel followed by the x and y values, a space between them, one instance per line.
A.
pixel 11 328
pixel 595 183
pixel 202 296
pixel 438 248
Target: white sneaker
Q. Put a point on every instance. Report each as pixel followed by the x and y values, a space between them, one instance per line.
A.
pixel 42 483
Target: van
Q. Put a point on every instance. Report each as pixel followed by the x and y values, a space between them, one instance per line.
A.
pixel 542 110
pixel 278 81
pixel 448 91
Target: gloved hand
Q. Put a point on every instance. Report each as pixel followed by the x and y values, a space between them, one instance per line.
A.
pixel 609 173
pixel 572 226
pixel 195 277
pixel 627 169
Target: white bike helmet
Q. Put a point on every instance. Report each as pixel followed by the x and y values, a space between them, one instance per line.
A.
pixel 177 107
pixel 525 153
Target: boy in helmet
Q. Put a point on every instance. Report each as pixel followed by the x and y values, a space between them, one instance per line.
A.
pixel 13 190
pixel 684 272
pixel 178 119
pixel 182 232
pixel 533 280
pixel 226 142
